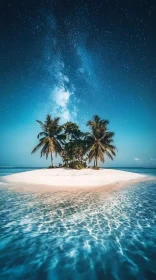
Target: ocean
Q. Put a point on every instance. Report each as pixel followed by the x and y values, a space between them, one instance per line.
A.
pixel 83 235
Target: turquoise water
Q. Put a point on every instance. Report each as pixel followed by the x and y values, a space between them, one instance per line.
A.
pixel 11 170
pixel 79 236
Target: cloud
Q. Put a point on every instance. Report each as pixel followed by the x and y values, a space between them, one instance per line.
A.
pixel 136 159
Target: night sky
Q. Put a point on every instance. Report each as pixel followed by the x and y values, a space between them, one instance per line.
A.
pixel 74 59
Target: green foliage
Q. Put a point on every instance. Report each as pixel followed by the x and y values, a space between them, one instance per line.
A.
pixel 99 141
pixel 51 166
pixel 74 146
pixel 95 168
pixel 50 138
pixel 72 131
pixel 76 165
pixel 74 152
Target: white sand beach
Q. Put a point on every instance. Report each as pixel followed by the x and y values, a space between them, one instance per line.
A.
pixel 67 179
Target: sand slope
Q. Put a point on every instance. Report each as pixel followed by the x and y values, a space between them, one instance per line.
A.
pixel 61 177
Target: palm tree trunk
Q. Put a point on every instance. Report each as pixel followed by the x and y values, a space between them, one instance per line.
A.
pixel 52 161
pixel 96 162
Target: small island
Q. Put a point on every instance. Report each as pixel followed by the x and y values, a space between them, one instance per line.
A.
pixel 77 149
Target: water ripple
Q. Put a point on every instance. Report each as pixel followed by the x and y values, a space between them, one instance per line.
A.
pixel 81 235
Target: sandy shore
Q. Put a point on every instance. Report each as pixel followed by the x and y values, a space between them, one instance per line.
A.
pixel 67 179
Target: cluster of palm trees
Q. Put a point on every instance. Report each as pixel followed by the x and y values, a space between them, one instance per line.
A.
pixel 76 147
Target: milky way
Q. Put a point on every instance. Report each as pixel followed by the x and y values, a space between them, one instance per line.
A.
pixel 79 58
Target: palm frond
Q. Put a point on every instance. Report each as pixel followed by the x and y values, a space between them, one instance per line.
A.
pixel 41 134
pixel 91 155
pixel 44 150
pixel 42 125
pixel 37 147
pixel 108 154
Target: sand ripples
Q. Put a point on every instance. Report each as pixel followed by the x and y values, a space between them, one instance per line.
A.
pixel 78 236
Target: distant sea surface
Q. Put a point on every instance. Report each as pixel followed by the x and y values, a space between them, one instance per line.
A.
pixel 8 170
pixel 11 170
pixel 82 235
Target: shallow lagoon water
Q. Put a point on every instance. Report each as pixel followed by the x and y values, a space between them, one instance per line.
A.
pixel 80 235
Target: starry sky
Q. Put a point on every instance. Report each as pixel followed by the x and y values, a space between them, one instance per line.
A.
pixel 74 59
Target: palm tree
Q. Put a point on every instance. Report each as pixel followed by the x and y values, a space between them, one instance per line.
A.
pixel 99 141
pixel 50 138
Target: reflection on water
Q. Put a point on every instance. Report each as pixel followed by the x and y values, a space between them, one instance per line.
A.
pixel 78 236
